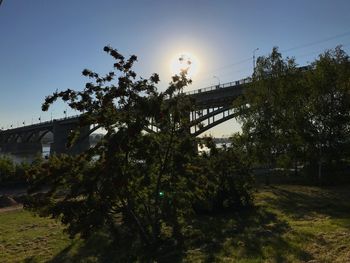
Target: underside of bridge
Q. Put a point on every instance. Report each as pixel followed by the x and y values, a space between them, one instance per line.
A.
pixel 213 107
pixel 204 119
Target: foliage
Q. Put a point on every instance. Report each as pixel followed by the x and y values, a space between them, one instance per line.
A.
pixel 142 186
pixel 294 116
pixel 329 111
pixel 227 178
pixel 11 171
pixel 271 101
pixel 7 168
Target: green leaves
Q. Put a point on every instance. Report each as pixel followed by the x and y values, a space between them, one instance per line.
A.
pixel 296 115
pixel 139 181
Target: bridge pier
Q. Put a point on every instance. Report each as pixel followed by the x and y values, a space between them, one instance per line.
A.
pixel 61 133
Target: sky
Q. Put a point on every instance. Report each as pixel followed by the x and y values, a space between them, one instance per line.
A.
pixel 45 44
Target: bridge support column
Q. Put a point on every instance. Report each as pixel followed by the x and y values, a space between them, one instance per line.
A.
pixel 61 134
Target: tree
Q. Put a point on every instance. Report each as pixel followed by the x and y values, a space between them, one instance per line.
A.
pixel 7 169
pixel 294 115
pixel 139 188
pixel 269 109
pixel 328 111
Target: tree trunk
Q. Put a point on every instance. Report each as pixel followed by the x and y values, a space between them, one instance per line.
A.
pixel 319 171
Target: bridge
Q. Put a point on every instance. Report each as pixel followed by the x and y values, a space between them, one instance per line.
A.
pixel 28 139
pixel 213 105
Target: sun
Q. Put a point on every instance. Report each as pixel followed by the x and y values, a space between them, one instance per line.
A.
pixel 184 62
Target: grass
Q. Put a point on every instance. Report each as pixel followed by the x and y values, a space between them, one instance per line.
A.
pixel 27 238
pixel 318 218
pixel 288 224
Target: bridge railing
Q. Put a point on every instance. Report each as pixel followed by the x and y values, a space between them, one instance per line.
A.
pixel 43 122
pixel 214 87
pixel 225 85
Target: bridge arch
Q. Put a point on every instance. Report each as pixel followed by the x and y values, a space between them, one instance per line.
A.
pixel 18 138
pixel 8 138
pixel 43 134
pixel 30 136
pixel 203 122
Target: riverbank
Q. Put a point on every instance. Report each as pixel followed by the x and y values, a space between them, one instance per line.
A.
pixel 19 158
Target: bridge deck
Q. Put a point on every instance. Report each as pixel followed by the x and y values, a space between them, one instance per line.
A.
pixel 213 105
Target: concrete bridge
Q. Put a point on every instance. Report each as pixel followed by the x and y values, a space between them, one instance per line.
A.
pixel 213 105
pixel 28 139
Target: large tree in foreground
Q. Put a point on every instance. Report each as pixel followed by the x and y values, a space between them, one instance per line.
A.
pixel 139 187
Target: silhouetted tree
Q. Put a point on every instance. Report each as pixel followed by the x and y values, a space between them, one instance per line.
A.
pixel 141 180
pixel 139 187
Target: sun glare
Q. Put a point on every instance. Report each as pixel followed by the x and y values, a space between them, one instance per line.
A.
pixel 184 61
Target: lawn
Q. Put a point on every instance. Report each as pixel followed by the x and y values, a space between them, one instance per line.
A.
pixel 28 238
pixel 288 224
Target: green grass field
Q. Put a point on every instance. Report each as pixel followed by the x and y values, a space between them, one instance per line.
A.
pixel 25 237
pixel 288 224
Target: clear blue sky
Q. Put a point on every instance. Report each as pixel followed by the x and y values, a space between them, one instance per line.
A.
pixel 45 44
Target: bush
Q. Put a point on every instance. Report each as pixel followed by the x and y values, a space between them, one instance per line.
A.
pixel 7 169
pixel 11 172
pixel 228 178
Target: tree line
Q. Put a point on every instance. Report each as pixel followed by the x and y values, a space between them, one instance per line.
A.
pixel 299 117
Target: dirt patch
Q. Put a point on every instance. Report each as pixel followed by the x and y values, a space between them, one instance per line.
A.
pixel 7 201
pixel 11 208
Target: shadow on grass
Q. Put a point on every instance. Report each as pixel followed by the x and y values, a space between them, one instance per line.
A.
pixel 30 260
pixel 98 248
pixel 256 233
pixel 247 234
pixel 305 202
pixel 253 234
